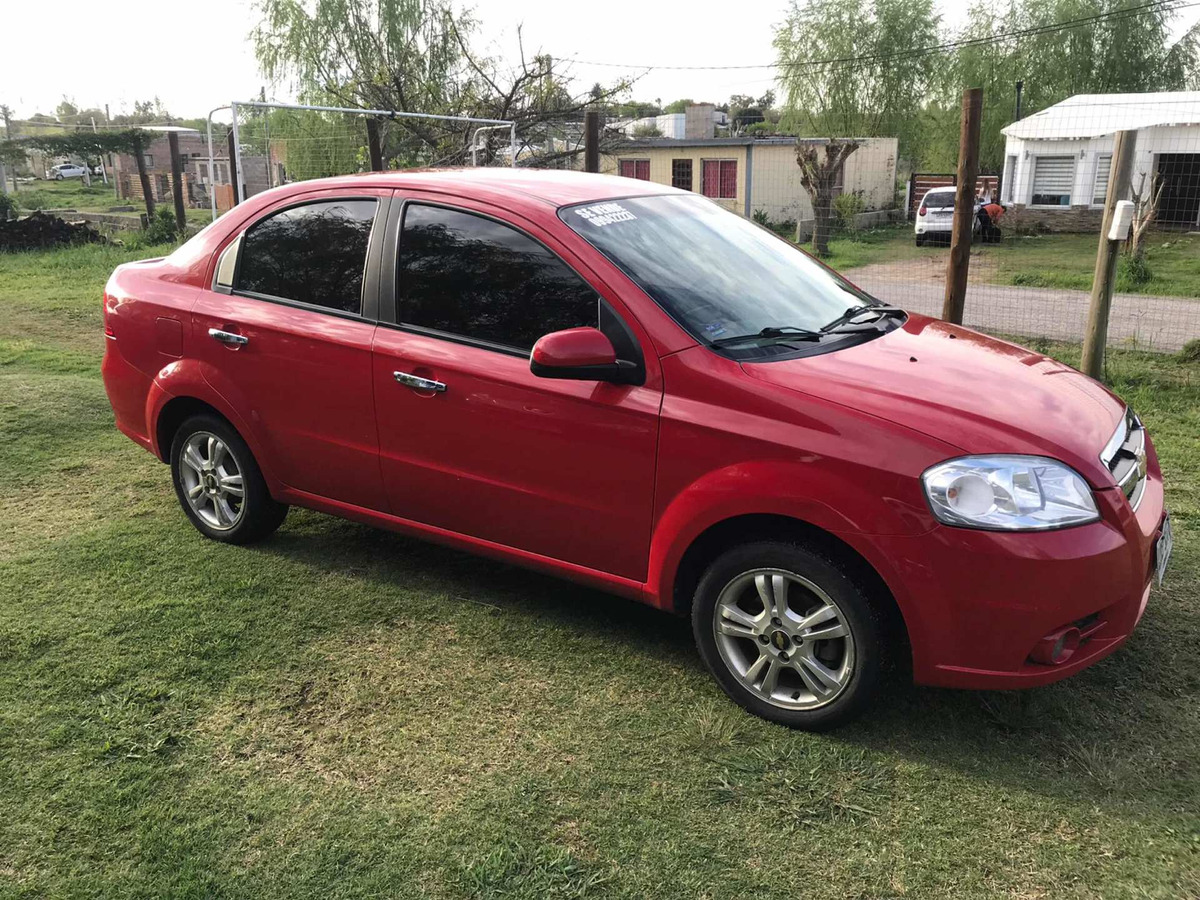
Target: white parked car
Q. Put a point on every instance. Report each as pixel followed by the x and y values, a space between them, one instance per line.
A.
pixel 935 215
pixel 66 170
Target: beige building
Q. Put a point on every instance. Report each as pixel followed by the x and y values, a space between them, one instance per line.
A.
pixel 751 175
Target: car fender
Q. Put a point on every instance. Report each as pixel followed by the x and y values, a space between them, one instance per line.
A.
pixel 815 496
pixel 198 380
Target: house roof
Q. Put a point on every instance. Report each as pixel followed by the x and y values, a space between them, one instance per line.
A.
pixel 1092 115
pixel 739 141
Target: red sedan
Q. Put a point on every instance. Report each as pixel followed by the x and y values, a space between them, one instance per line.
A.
pixel 627 386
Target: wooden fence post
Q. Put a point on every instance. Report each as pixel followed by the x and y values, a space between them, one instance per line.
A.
pixel 139 155
pixel 964 207
pixel 234 174
pixel 591 140
pixel 1095 337
pixel 177 181
pixel 374 148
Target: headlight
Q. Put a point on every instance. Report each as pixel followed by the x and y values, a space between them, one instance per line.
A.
pixel 1008 493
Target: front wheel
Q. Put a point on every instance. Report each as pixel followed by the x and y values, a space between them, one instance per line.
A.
pixel 58 177
pixel 219 484
pixel 789 634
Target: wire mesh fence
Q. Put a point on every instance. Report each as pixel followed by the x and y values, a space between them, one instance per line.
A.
pixel 1036 215
pixel 856 202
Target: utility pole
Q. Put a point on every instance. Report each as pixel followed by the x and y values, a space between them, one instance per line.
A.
pixel 964 207
pixel 103 168
pixel 1020 88
pixel 591 140
pixel 177 182
pixel 1095 337
pixel 374 148
pixel 7 114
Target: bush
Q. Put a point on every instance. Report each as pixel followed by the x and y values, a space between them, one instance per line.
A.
pixel 1191 351
pixel 1133 270
pixel 846 207
pixel 162 228
pixel 8 207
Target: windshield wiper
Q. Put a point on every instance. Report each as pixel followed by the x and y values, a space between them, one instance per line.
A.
pixel 771 332
pixel 855 311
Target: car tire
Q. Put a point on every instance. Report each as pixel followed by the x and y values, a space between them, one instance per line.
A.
pixel 920 240
pixel 807 682
pixel 210 463
pixel 58 177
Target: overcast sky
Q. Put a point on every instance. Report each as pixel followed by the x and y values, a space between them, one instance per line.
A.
pixel 200 60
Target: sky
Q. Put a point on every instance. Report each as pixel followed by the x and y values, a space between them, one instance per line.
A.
pixel 221 67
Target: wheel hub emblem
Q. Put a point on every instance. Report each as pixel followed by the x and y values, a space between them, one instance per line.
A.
pixel 780 640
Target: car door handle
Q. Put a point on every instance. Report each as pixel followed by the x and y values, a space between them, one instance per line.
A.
pixel 421 384
pixel 228 337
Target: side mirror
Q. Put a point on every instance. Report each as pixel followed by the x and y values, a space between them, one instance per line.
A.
pixel 581 354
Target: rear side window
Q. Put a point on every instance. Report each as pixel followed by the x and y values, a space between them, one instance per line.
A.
pixel 315 253
pixel 470 276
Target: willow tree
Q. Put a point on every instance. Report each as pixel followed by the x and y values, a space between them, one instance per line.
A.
pixel 851 69
pixel 409 56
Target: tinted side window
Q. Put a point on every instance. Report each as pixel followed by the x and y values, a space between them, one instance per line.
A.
pixel 313 253
pixel 471 276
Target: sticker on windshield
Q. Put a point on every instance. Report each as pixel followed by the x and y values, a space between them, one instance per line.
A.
pixel 605 214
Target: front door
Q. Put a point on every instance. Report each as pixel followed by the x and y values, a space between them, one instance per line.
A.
pixel 563 469
pixel 288 345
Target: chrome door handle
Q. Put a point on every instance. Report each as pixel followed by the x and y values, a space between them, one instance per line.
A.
pixel 228 337
pixel 421 384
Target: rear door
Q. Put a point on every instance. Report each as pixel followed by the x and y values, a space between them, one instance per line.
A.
pixel 286 332
pixel 562 469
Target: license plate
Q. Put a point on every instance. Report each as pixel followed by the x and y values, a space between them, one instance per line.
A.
pixel 1162 551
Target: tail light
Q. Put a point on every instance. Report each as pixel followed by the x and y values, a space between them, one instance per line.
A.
pixel 108 329
pixel 921 211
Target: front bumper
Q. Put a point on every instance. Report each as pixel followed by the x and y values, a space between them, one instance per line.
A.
pixel 977 603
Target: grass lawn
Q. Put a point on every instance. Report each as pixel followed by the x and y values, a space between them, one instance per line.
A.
pixel 1051 260
pixel 341 712
pixel 70 193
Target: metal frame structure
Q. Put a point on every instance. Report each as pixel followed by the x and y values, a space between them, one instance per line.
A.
pixel 383 113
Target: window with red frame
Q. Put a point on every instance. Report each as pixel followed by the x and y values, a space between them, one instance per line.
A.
pixel 719 178
pixel 634 168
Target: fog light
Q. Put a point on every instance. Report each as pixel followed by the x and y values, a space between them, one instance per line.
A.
pixel 1057 647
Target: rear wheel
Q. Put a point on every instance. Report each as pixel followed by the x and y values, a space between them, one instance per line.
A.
pixel 920 240
pixel 789 634
pixel 219 484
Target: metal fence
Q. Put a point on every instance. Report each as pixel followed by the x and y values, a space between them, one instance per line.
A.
pixel 1034 247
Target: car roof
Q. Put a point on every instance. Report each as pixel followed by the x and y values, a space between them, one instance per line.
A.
pixel 942 190
pixel 554 187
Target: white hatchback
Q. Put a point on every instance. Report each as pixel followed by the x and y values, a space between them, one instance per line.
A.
pixel 935 215
pixel 66 170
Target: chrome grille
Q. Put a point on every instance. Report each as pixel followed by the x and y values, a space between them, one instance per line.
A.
pixel 1125 456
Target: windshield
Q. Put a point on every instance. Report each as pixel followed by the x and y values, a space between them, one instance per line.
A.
pixel 717 274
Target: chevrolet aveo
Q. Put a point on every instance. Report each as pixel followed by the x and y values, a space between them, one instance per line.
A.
pixel 628 386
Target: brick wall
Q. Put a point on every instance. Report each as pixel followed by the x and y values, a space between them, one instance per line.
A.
pixel 1079 219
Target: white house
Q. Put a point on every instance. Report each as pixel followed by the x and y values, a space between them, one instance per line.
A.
pixel 1057 161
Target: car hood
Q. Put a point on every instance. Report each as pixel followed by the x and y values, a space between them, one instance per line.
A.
pixel 975 392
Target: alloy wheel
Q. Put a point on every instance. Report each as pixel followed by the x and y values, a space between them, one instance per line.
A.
pixel 784 639
pixel 212 480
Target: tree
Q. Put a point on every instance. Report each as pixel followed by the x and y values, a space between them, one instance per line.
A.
pixel 413 56
pixel 1126 49
pixel 679 106
pixel 877 85
pixel 819 168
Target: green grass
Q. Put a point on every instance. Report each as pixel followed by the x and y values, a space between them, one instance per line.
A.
pixel 70 193
pixel 1046 261
pixel 341 712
